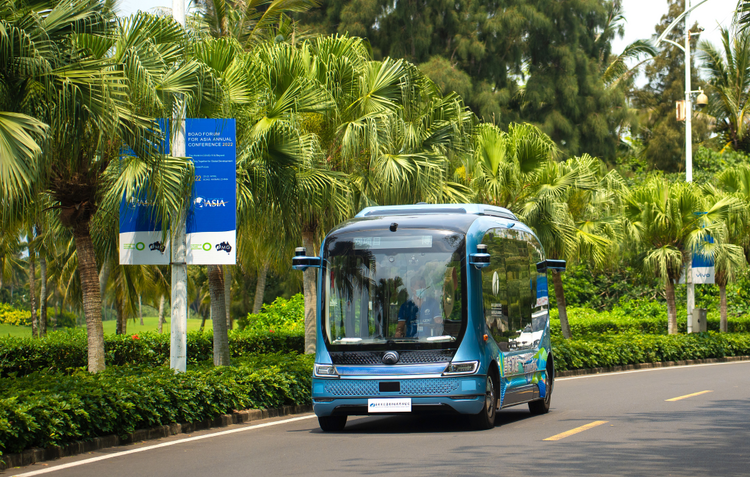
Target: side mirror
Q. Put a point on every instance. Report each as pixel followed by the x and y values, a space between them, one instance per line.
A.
pixel 302 262
pixel 549 264
pixel 480 259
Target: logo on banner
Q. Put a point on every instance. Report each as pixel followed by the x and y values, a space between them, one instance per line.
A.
pixel 134 246
pixel 157 246
pixel 224 246
pixel 201 202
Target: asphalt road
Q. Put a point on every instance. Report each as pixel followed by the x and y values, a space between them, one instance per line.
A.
pixel 614 424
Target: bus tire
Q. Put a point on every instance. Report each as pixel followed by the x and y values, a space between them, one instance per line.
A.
pixel 485 419
pixel 332 423
pixel 542 406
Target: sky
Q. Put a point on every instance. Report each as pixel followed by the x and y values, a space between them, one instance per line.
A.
pixel 641 16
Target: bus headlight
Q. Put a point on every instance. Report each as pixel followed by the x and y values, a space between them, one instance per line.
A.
pixel 325 371
pixel 464 367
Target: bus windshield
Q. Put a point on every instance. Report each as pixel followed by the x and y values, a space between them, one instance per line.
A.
pixel 387 289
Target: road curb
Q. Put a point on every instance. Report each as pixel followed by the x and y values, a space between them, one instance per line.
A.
pixel 632 367
pixel 36 455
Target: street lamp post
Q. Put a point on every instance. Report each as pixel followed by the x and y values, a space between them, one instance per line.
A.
pixel 688 128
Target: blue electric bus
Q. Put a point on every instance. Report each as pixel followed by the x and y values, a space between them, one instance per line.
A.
pixel 431 308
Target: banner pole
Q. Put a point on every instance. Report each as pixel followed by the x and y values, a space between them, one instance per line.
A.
pixel 178 328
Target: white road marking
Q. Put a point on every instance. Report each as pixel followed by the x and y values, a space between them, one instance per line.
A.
pixel 164 444
pixel 615 373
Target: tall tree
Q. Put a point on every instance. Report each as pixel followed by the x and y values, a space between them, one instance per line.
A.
pixel 472 47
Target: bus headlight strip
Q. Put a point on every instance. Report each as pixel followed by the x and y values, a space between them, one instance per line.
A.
pixel 325 371
pixel 463 367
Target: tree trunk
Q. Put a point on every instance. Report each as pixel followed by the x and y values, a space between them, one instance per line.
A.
pixel 42 295
pixel 228 295
pixel 723 324
pixel 218 311
pixel 260 287
pixel 162 302
pixel 92 300
pixel 671 308
pixel 32 289
pixel 562 307
pixel 121 325
pixel 311 293
pixel 104 278
pixel 57 309
pixel 140 308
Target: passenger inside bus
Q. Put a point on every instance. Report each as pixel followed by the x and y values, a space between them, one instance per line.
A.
pixel 420 315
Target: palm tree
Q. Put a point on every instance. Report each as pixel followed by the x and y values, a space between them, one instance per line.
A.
pixel 735 182
pixel 85 100
pixel 516 170
pixel 573 211
pixel 228 28
pixel 251 22
pixel 664 221
pixel 729 86
pixel 728 256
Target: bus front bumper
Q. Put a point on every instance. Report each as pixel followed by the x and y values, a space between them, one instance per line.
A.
pixel 463 395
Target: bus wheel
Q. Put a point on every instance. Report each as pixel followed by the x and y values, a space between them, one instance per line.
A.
pixel 332 423
pixel 542 406
pixel 486 417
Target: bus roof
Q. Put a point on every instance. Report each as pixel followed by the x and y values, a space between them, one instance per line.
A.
pixel 422 208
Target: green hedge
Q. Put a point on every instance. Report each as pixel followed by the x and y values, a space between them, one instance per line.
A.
pixel 632 348
pixel 638 317
pixel 67 350
pixel 53 408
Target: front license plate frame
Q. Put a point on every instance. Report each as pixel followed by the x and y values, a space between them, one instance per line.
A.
pixel 388 405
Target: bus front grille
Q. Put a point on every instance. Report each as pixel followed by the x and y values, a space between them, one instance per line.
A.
pixel 411 387
pixel 405 357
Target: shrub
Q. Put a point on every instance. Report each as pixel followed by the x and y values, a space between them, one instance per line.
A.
pixel 52 408
pixel 13 316
pixel 67 350
pixel 632 348
pixel 281 315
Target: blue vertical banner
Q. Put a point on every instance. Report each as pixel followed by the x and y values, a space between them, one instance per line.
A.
pixel 142 241
pixel 212 218
pixel 703 267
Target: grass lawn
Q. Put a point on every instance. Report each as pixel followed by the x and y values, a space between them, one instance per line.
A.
pixel 150 323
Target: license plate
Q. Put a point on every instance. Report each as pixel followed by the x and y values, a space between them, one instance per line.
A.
pixel 389 405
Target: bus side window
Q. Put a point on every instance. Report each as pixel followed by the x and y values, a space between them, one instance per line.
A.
pixel 519 289
pixel 538 281
pixel 495 289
